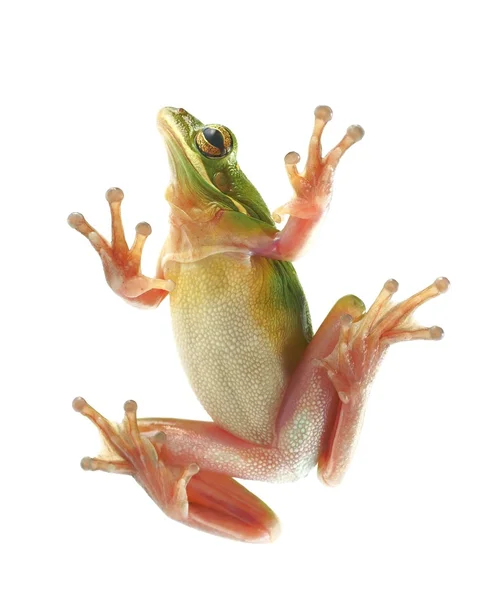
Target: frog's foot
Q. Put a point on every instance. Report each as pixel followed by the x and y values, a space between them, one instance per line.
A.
pixel 122 265
pixel 128 452
pixel 313 187
pixel 212 502
pixel 354 361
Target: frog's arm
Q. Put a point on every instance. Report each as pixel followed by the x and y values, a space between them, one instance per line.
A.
pixel 122 265
pixel 312 188
pixel 312 197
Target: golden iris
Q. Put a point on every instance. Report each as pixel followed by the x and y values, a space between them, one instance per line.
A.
pixel 214 141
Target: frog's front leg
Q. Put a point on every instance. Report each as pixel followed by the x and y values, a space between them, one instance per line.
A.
pixel 122 265
pixel 206 500
pixel 312 188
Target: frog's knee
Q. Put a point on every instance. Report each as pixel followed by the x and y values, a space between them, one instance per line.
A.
pixel 351 303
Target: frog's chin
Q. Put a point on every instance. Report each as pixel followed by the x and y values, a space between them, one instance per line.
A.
pixel 178 128
pixel 190 191
pixel 184 165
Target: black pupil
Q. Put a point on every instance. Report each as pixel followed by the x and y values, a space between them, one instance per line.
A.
pixel 214 137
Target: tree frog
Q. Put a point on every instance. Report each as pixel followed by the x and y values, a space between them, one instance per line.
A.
pixel 282 399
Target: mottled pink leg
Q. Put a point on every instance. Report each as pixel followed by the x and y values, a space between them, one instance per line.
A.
pixel 212 502
pixel 352 364
pixel 218 451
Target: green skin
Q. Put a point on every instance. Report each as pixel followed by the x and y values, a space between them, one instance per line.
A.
pixel 194 170
pixel 280 327
pixel 180 131
pixel 281 400
pixel 184 155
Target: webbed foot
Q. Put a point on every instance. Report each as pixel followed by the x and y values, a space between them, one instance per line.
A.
pixel 354 361
pixel 130 453
pixel 206 500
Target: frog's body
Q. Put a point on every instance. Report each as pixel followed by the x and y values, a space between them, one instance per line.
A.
pixel 281 399
pixel 241 324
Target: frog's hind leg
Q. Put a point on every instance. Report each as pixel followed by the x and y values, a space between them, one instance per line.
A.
pixel 324 404
pixel 212 502
pixel 353 363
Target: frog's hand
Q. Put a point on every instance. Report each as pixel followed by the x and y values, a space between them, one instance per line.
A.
pixel 122 265
pixel 208 501
pixel 352 364
pixel 312 188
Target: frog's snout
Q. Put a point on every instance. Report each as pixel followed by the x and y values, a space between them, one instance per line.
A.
pixel 165 116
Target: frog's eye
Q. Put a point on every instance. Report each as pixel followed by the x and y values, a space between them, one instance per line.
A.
pixel 214 141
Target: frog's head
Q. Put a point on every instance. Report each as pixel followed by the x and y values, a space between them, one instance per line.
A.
pixel 205 176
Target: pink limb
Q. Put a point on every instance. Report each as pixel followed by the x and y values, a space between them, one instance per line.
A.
pixel 352 364
pixel 186 467
pixel 312 188
pixel 122 265
pixel 209 501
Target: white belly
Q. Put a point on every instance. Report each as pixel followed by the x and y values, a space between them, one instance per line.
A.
pixel 233 330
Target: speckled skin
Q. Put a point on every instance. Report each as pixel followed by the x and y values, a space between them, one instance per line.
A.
pixel 281 399
pixel 301 418
pixel 300 438
pixel 240 335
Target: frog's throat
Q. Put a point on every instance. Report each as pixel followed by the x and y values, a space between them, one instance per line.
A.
pixel 185 208
pixel 191 190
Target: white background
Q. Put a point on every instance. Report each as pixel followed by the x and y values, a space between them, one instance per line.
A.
pixel 82 83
